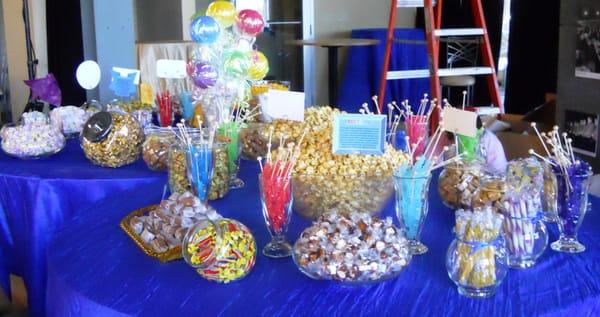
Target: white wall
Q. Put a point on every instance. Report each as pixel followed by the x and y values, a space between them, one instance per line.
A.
pixel 336 18
pixel 16 52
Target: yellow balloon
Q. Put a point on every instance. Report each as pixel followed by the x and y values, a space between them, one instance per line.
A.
pixel 222 11
pixel 259 67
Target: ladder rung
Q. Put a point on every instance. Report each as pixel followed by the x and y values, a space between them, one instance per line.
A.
pixel 412 3
pixel 408 74
pixel 442 72
pixel 458 32
pixel 464 71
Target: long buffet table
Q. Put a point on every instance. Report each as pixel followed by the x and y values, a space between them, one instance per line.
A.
pixel 94 269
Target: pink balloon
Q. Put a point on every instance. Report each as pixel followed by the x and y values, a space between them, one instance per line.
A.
pixel 250 22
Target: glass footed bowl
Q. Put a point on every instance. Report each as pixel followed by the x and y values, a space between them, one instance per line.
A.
pixel 361 282
pixel 32 153
pixel 315 195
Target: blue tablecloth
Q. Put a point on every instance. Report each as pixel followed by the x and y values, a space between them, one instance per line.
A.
pixel 364 65
pixel 38 196
pixel 94 269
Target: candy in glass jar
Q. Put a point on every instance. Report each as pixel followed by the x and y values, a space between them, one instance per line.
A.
pixel 477 260
pixel 222 251
pixel 155 150
pixel 525 233
pixel 491 191
pixel 112 139
pixel 178 176
pixel 458 183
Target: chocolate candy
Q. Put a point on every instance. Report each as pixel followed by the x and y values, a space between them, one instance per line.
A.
pixel 163 228
pixel 491 192
pixel 119 143
pixel 351 247
pixel 458 183
pixel 155 150
pixel 254 139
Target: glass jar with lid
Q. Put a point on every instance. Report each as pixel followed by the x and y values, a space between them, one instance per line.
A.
pixel 223 250
pixel 155 150
pixel 112 139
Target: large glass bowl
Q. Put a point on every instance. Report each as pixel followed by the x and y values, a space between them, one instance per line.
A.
pixel 352 249
pixel 31 142
pixel 315 195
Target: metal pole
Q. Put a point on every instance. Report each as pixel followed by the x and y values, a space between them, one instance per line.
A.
pixel 31 63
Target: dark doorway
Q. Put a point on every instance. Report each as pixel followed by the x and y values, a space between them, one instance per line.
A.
pixel 65 47
pixel 532 54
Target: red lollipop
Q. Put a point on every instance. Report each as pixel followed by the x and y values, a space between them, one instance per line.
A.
pixel 250 22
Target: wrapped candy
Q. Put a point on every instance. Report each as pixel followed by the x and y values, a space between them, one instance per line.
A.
pixel 222 251
pixel 69 119
pixel 525 232
pixel 164 228
pixel 32 140
pixel 351 248
pixel 476 260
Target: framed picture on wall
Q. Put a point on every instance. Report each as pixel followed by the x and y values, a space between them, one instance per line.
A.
pixel 587 52
pixel 583 129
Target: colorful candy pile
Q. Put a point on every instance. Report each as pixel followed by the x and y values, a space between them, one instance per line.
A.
pixel 351 247
pixel 222 254
pixel 521 205
pixel 165 227
pixel 69 119
pixel 32 140
pixel 475 265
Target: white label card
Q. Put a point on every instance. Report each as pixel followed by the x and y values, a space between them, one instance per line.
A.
pixel 126 71
pixel 460 122
pixel 279 104
pixel 171 68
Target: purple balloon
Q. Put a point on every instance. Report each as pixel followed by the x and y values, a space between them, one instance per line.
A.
pixel 204 75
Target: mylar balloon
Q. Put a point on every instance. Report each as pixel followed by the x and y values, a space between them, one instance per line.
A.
pixel 204 30
pixel 259 67
pixel 204 75
pixel 249 22
pixel 236 63
pixel 223 12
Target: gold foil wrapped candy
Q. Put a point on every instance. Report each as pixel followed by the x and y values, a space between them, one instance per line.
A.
pixel 112 139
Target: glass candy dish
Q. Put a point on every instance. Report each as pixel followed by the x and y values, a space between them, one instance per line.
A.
pixel 316 194
pixel 31 141
pixel 322 253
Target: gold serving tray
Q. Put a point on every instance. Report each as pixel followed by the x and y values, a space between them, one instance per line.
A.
pixel 172 254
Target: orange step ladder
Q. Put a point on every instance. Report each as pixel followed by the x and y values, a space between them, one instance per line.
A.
pixel 433 33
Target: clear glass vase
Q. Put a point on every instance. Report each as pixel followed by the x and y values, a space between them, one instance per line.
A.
pixel 411 208
pixel 572 203
pixel 526 240
pixel 200 166
pixel 276 200
pixel 549 205
pixel 477 267
pixel 230 132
